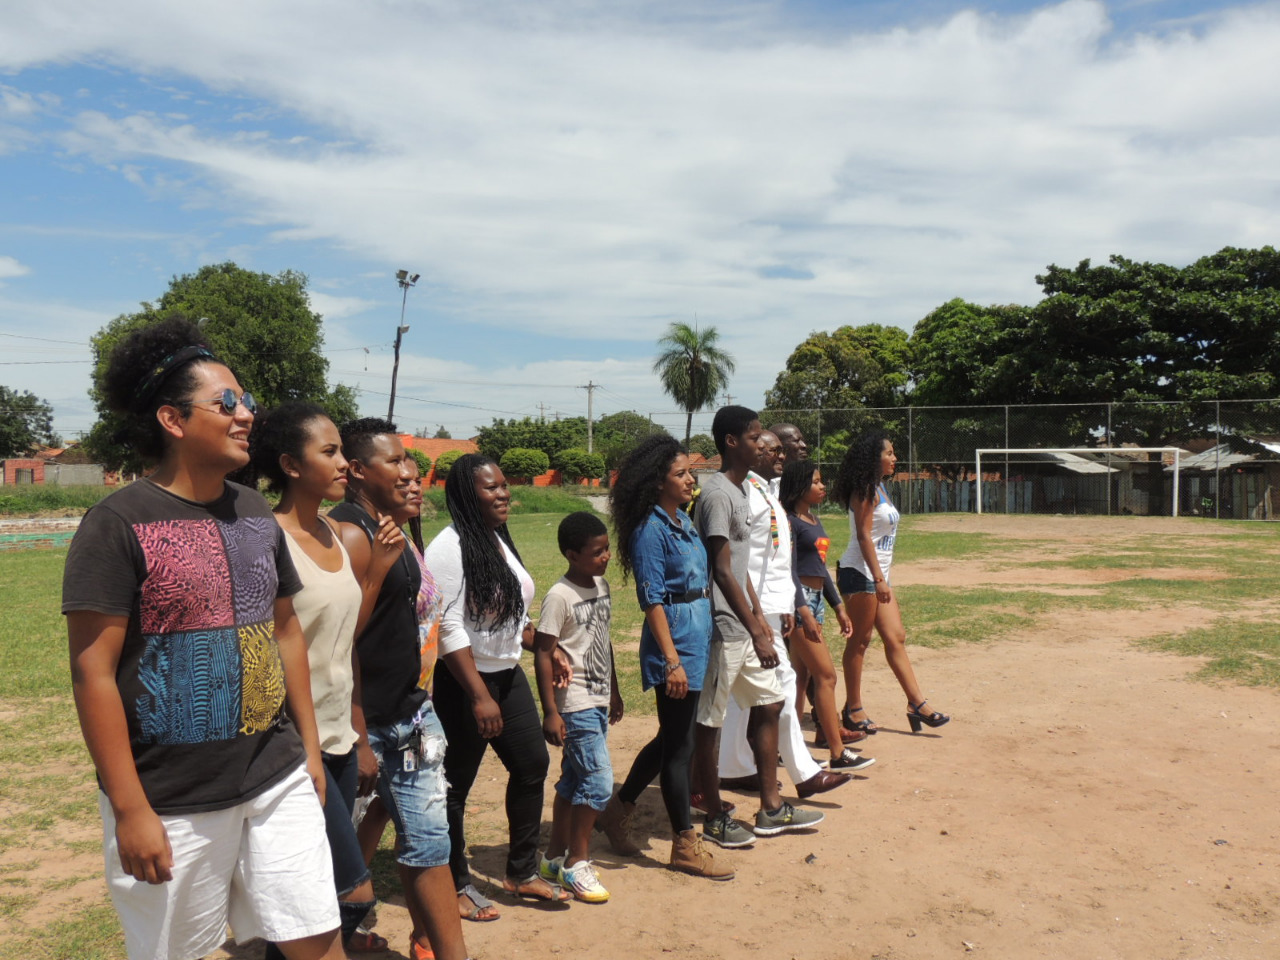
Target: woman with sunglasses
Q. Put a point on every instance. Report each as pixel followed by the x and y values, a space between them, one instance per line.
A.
pixel 190 675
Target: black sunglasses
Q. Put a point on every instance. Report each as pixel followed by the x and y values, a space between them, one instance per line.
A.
pixel 229 401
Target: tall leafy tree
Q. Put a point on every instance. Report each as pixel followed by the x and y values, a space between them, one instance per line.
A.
pixel 261 325
pixel 26 423
pixel 692 367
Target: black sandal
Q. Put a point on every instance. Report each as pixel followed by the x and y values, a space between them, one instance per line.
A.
pixel 916 718
pixel 866 726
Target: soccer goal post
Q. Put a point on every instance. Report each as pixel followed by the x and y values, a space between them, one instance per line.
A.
pixel 1079 456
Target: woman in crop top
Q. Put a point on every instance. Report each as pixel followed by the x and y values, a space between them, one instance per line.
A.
pixel 801 490
pixel 863 578
pixel 296 448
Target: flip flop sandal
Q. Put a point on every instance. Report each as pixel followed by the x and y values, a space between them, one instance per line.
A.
pixel 479 903
pixel 418 952
pixel 554 894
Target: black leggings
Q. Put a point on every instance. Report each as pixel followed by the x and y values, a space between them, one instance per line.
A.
pixel 668 756
pixel 520 747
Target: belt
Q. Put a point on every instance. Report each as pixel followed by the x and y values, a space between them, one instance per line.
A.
pixel 689 597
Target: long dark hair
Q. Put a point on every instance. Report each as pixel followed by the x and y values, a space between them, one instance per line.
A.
pixel 493 589
pixel 797 478
pixel 150 368
pixel 860 474
pixel 634 493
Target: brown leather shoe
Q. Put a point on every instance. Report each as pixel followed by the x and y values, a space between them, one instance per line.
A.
pixel 751 783
pixel 821 782
pixel 847 735
pixel 690 855
pixel 616 822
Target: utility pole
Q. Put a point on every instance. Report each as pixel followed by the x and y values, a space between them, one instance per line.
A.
pixel 542 412
pixel 590 388
pixel 405 281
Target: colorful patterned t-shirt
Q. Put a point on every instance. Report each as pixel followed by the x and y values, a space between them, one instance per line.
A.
pixel 199 674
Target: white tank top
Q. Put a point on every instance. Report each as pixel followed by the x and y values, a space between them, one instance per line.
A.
pixel 884 527
pixel 327 606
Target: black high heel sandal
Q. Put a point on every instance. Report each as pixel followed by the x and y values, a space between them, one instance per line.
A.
pixel 866 726
pixel 915 717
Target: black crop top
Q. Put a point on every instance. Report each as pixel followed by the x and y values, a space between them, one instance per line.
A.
pixel 809 545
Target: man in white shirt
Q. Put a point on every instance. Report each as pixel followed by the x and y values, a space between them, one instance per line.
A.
pixel 770 573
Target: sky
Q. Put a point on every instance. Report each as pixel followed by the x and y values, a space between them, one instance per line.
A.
pixel 569 177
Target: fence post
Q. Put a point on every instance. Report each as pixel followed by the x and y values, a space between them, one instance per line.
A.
pixel 1006 459
pixel 1217 460
pixel 911 460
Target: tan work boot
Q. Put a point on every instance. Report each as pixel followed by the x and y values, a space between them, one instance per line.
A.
pixel 690 855
pixel 616 824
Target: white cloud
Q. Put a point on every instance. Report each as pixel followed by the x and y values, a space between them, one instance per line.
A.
pixel 598 171
pixel 10 267
pixel 335 308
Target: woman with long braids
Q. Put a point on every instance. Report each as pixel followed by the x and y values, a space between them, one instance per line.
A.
pixel 863 578
pixel 297 449
pixel 482 696
pixel 190 675
pixel 658 546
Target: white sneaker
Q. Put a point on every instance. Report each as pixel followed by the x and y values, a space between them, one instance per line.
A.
pixel 581 880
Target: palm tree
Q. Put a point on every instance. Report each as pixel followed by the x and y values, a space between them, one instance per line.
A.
pixel 693 370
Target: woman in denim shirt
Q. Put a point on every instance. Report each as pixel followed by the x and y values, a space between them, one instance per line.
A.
pixel 658 546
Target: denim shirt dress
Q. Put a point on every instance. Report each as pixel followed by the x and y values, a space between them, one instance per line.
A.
pixel 668 560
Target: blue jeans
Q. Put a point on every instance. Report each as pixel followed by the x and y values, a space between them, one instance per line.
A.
pixel 586 773
pixel 415 797
pixel 814 599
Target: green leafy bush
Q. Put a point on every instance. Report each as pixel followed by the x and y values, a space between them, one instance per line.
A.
pixel 576 463
pixel 445 462
pixel 421 459
pixel 521 463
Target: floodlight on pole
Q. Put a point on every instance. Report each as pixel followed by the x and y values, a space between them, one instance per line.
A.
pixel 406 281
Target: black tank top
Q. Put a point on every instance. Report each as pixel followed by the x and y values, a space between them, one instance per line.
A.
pixel 388 647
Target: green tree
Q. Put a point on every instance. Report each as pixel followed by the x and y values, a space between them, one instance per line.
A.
pixel 421 459
pixel 549 436
pixel 261 325
pixel 521 463
pixel 617 433
pixel 692 367
pixel 445 462
pixel 26 423
pixel 702 443
pixel 576 464
pixel 442 434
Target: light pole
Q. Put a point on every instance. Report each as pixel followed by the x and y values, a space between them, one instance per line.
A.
pixel 405 281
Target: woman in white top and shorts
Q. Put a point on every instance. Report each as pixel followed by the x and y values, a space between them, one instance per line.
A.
pixel 862 576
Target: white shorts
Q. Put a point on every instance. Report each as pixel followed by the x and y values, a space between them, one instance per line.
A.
pixel 733 668
pixel 262 866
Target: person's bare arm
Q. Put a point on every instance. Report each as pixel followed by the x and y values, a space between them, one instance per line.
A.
pixel 744 607
pixel 371 561
pixel 863 511
pixel 544 645
pixel 462 664
pixel 366 760
pixel 95 641
pixel 292 646
pixel 677 680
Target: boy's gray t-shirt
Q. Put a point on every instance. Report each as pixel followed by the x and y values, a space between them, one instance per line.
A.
pixel 722 511
pixel 579 618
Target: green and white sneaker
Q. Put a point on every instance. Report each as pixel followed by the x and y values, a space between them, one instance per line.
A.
pixel 725 831
pixel 786 818
pixel 581 880
pixel 551 871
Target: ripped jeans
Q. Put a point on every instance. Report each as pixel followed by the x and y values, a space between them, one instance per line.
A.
pixel 411 783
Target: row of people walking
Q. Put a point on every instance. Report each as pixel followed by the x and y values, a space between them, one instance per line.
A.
pixel 242 675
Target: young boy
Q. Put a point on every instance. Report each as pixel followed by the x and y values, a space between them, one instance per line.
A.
pixel 575 615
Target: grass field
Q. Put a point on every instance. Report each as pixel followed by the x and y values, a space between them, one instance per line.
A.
pixel 51 900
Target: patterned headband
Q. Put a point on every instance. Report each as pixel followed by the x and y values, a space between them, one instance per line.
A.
pixel 159 373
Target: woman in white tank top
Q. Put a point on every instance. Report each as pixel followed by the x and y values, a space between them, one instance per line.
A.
pixel 863 579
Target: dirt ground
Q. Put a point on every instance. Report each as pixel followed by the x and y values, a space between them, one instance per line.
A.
pixel 1086 801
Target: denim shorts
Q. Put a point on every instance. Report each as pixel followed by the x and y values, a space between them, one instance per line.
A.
pixel 815 601
pixel 415 797
pixel 586 773
pixel 849 580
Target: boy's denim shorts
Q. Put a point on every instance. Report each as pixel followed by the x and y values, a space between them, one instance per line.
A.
pixel 415 798
pixel 814 599
pixel 586 773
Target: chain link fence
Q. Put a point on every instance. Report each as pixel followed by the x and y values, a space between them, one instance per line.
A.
pixel 1229 465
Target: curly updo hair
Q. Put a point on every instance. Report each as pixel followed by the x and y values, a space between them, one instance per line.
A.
pixel 153 367
pixel 634 493
pixel 279 431
pixel 860 474
pixel 493 590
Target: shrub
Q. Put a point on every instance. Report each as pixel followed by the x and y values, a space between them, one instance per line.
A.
pixel 421 459
pixel 576 463
pixel 445 463
pixel 524 464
